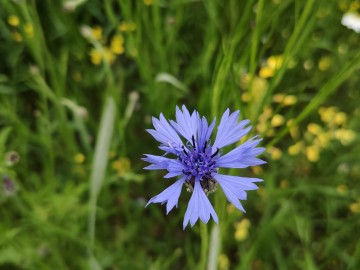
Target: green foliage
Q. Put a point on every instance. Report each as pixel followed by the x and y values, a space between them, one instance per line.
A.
pixel 79 82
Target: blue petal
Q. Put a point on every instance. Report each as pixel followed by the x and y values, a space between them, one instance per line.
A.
pixel 172 174
pixel 158 162
pixel 234 187
pixel 174 167
pixel 204 131
pixel 170 195
pixel 186 124
pixel 242 156
pixel 164 133
pixel 229 130
pixel 199 207
pixel 171 149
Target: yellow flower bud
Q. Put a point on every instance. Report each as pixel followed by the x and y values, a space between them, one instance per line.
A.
pixel 278 98
pixel 340 118
pixel 296 148
pixel 277 120
pixel 242 229
pixel 13 20
pixel 275 153
pixel 266 72
pixel 324 63
pixel 314 129
pixel 79 158
pixel 95 56
pixel 312 153
pixel 289 100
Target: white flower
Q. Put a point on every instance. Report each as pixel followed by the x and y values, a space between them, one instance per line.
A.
pixel 71 5
pixel 352 21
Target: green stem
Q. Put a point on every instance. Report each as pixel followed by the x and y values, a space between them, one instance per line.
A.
pixel 204 245
pixel 214 248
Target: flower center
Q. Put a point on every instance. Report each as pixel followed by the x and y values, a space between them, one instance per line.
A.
pixel 199 163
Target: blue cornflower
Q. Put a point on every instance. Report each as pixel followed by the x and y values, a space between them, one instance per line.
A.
pixel 197 161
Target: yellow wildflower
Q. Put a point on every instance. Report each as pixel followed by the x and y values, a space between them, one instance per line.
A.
pixel 275 61
pixel 296 148
pixel 275 153
pixel 340 118
pixel 261 127
pixel 322 140
pixel 13 20
pixel 245 97
pixel 324 63
pixel 224 262
pixel 266 72
pixel 117 45
pixel 16 36
pixel 355 207
pixel 122 166
pixel 242 229
pixel 266 114
pixel 289 100
pixel 342 189
pixel 127 26
pixel 294 130
pixel 278 98
pixel 327 114
pixel 244 80
pixel 96 32
pixel 277 120
pixel 79 158
pixel 259 88
pixel 29 30
pixel 95 56
pixel 312 153
pixel 314 129
pixel 345 136
pixel 109 56
pixel 257 170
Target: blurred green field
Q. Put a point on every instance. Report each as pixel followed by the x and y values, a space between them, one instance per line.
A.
pixel 79 83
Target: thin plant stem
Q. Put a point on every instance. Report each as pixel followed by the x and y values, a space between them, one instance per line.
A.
pixel 204 245
pixel 214 248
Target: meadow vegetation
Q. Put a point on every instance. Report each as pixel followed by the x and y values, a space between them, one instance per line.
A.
pixel 79 83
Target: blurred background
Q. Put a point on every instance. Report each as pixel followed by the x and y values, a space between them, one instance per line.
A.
pixel 80 81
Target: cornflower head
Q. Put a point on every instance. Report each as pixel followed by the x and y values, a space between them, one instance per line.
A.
pixel 196 161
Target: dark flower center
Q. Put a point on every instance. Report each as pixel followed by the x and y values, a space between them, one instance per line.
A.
pixel 199 163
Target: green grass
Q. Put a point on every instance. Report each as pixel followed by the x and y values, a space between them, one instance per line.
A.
pixel 74 105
